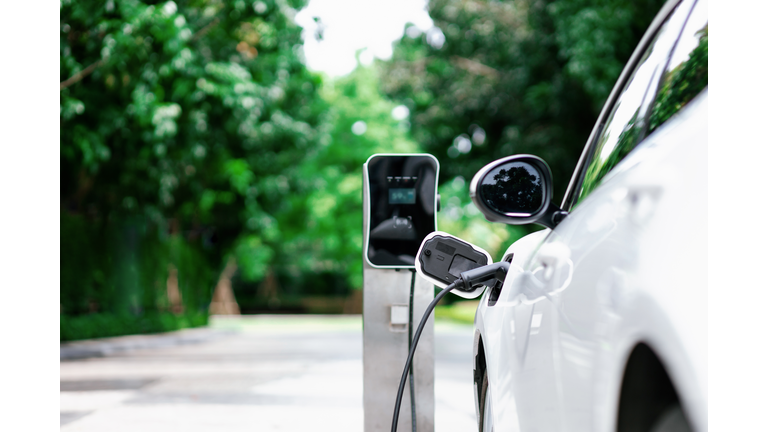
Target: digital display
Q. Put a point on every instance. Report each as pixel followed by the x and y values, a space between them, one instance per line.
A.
pixel 402 196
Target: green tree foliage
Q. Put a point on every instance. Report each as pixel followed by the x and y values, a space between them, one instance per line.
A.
pixel 98 325
pixel 191 131
pixel 596 38
pixel 122 266
pixel 360 123
pixel 183 127
pixel 525 76
pixel 322 249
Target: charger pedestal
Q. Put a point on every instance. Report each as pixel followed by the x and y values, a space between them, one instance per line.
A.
pixel 399 204
pixel 385 349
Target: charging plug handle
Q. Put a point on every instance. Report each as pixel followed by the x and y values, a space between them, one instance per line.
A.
pixel 485 275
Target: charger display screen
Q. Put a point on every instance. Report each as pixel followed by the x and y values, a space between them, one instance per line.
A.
pixel 402 196
pixel 402 207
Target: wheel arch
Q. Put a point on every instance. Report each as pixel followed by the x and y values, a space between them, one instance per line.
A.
pixel 646 392
pixel 480 366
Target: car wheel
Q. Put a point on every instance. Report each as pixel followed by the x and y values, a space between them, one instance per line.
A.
pixel 672 420
pixel 486 412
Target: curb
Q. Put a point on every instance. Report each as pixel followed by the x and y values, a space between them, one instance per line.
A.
pixel 103 347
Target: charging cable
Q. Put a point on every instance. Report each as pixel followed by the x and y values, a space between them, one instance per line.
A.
pixel 410 345
pixel 466 281
pixel 416 337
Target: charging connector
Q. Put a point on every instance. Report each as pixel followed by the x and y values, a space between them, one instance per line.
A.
pixel 442 258
pixel 485 275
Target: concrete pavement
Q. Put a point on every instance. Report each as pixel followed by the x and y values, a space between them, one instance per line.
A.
pixel 265 373
pixel 103 347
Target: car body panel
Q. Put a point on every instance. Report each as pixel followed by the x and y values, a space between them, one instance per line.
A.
pixel 628 265
pixel 504 353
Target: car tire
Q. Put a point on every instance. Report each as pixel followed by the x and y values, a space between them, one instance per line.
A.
pixel 485 422
pixel 672 420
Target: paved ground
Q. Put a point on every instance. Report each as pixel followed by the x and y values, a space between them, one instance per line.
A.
pixel 258 373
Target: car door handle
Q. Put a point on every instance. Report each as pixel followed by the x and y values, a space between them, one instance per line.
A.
pixel 552 256
pixel 642 193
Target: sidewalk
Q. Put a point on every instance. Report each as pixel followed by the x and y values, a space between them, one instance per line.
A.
pixel 103 347
pixel 268 372
pixel 218 326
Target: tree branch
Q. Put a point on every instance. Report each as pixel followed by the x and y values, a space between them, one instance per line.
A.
pixel 200 33
pixel 74 79
pixel 474 67
pixel 80 75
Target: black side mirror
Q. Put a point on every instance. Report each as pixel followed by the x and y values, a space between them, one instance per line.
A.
pixel 516 190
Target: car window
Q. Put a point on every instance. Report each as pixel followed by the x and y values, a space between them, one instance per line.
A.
pixel 628 121
pixel 687 73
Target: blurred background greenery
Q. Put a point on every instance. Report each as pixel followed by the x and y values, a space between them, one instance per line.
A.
pixel 198 151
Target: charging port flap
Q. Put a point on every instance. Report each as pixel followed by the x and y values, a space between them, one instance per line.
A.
pixel 442 258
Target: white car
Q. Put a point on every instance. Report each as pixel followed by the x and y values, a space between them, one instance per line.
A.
pixel 601 322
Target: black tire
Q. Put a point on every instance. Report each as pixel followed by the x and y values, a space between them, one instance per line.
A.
pixel 672 420
pixel 485 422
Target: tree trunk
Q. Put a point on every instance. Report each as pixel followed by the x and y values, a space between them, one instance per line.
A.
pixel 172 289
pixel 223 302
pixel 269 289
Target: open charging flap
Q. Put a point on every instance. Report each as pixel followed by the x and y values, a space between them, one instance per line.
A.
pixel 442 258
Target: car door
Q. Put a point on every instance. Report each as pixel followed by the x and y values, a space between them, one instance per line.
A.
pixel 569 281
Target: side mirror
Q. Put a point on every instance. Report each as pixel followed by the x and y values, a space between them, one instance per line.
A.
pixel 516 190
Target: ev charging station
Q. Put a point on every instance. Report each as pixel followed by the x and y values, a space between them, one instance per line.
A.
pixel 400 203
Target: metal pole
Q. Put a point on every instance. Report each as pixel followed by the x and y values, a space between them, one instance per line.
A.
pixel 385 349
pixel 386 305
